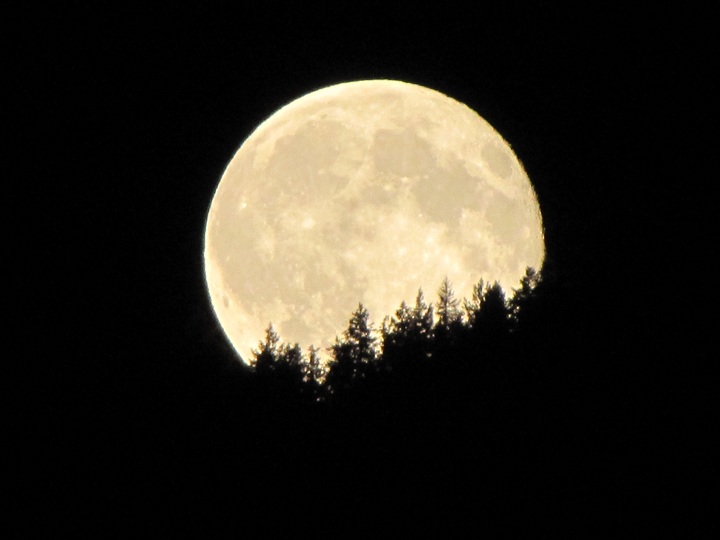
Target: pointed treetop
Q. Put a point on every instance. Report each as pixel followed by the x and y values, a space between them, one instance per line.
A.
pixel 448 307
pixel 270 345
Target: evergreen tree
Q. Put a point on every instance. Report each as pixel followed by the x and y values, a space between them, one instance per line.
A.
pixel 291 356
pixel 448 307
pixel 315 371
pixel 267 355
pixel 314 374
pixel 472 306
pixel 422 318
pixel 409 332
pixel 519 304
pixel 354 357
pixel 291 359
pixel 396 329
pixel 449 317
pixel 492 320
pixel 290 365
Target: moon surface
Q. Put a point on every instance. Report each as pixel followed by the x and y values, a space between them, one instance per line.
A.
pixel 363 192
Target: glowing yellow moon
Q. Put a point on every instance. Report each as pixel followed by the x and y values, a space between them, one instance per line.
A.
pixel 363 192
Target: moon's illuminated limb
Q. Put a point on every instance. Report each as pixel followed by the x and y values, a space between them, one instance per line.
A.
pixel 363 191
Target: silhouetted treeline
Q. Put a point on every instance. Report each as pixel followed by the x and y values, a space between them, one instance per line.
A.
pixel 418 337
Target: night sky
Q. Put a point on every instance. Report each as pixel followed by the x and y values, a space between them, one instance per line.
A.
pixel 127 119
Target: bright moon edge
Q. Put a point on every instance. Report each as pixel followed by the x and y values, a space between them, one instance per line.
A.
pixel 298 230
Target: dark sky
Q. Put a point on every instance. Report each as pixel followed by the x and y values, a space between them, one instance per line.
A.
pixel 128 118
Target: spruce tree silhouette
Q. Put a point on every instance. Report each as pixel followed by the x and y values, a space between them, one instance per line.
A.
pixel 522 302
pixel 291 366
pixel 267 355
pixel 422 319
pixel 484 343
pixel 355 355
pixel 408 334
pixel 449 323
pixel 280 369
pixel 491 320
pixel 396 329
pixel 472 306
pixel 448 307
pixel 315 370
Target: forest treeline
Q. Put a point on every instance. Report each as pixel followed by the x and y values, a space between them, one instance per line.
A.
pixel 418 336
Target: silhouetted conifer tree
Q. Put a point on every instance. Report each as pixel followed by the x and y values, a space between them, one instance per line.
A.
pixel 472 306
pixel 449 317
pixel 492 319
pixel 422 318
pixel 291 365
pixel 268 352
pixel 315 370
pixel 396 329
pixel 291 355
pixel 409 332
pixel 314 373
pixel 448 307
pixel 520 303
pixel 354 357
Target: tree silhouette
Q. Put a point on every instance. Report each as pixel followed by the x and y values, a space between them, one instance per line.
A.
pixel 355 355
pixel 280 367
pixel 520 304
pixel 449 322
pixel 472 306
pixel 396 329
pixel 314 373
pixel 422 320
pixel 290 366
pixel 409 333
pixel 448 307
pixel 315 369
pixel 267 355
pixel 492 319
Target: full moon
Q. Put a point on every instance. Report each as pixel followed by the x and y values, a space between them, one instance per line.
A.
pixel 366 192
